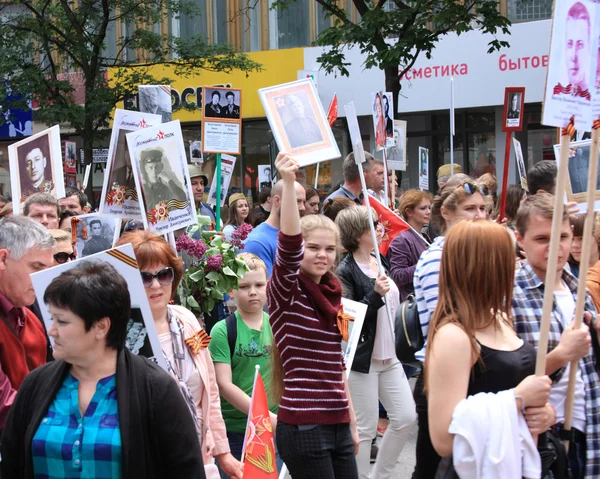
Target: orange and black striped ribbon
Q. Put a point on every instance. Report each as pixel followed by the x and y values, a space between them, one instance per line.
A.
pixel 115 253
pixel 343 321
pixel 198 341
pixel 570 128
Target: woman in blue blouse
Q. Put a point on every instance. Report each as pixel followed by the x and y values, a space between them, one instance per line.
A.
pixel 98 411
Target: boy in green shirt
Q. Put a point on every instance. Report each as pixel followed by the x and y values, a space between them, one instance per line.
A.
pixel 235 369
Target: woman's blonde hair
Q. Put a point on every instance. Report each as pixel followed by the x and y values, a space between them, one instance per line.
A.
pixel 60 235
pixel 352 223
pixel 451 196
pixel 474 293
pixel 310 223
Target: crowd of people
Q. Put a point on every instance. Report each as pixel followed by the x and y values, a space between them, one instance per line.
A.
pixel 74 402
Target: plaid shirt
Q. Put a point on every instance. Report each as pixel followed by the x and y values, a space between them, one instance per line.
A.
pixel 528 302
pixel 68 446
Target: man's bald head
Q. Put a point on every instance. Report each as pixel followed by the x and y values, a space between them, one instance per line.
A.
pixel 276 196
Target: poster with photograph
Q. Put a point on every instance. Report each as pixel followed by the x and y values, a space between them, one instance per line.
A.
pixel 264 177
pixel 299 122
pixel 396 155
pixel 96 233
pixel 514 109
pixel 227 167
pixel 156 99
pixel 423 168
pixel 521 170
pixel 388 118
pixel 579 162
pixel 142 338
pixel 357 311
pixel 379 120
pixel 572 66
pixel 36 166
pixel 196 156
pixel 72 180
pixel 119 194
pixel 222 120
pixel 161 174
pixel 70 157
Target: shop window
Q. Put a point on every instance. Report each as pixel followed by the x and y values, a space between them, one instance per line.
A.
pixel 251 26
pixel 190 25
pixel 482 153
pixel 220 21
pixel 323 21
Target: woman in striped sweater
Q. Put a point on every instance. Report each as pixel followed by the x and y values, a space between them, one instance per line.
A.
pixel 316 427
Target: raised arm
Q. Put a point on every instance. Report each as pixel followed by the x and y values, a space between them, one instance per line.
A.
pixel 290 216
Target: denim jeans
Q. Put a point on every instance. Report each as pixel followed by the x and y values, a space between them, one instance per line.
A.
pixel 236 443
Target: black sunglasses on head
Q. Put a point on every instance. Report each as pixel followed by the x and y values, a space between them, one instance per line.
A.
pixel 63 257
pixel 133 225
pixel 472 188
pixel 164 277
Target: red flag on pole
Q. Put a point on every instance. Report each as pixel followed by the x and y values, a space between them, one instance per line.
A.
pixel 391 223
pixel 332 113
pixel 259 445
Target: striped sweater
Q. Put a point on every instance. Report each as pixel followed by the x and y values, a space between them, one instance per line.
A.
pixel 309 343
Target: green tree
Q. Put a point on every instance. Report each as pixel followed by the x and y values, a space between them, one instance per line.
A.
pixel 392 34
pixel 41 40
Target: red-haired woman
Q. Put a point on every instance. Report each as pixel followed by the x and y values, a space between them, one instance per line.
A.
pixel 180 335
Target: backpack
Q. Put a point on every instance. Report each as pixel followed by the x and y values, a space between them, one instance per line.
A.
pixel 231 324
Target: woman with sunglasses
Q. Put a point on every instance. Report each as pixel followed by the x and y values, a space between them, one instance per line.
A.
pixel 63 251
pixel 184 347
pixel 459 200
pixel 376 374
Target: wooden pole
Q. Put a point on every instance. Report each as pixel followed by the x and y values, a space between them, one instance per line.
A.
pixel 583 271
pixel 505 175
pixel 317 176
pixel 393 195
pixel 550 280
pixel 218 193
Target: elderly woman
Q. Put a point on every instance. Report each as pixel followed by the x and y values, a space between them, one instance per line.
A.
pixel 406 248
pixel 184 347
pixel 63 251
pixel 376 374
pixel 98 410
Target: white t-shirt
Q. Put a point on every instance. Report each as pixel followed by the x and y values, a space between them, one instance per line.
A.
pixel 558 394
pixel 383 348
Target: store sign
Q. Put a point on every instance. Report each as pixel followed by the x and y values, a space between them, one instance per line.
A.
pixel 99 155
pixel 479 78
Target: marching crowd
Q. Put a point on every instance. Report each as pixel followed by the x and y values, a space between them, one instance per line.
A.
pixel 86 407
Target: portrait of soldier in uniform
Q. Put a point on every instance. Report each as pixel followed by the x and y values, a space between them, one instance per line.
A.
pixel 35 167
pixel 98 239
pixel 157 187
pixel 122 173
pixel 230 110
pixel 300 128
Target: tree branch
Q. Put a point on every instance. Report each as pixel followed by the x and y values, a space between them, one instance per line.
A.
pixel 361 7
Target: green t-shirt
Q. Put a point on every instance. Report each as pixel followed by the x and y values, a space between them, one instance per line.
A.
pixel 251 348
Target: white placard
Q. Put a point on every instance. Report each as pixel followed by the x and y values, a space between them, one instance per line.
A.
pixel 396 155
pixel 354 129
pixel 119 194
pixel 36 166
pixel 141 331
pixel 221 137
pixel 570 83
pixel 520 163
pixel 358 311
pixel 227 167
pixel 423 168
pixel 576 190
pixel 159 160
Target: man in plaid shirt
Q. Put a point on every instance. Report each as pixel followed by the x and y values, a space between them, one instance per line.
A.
pixel 565 344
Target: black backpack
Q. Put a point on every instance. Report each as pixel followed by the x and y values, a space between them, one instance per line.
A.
pixel 231 324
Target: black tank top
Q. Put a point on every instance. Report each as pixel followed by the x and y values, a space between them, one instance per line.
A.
pixel 501 370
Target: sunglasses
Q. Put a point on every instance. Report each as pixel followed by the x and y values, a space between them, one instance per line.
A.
pixel 164 277
pixel 63 257
pixel 472 188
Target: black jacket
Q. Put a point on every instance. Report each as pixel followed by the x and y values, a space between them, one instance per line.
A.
pixel 357 286
pixel 158 434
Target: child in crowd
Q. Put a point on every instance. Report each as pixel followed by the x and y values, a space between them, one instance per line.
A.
pixel 238 344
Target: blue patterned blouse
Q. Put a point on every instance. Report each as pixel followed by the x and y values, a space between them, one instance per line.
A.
pixel 68 446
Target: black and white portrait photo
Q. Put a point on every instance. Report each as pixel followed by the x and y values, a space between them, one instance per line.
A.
pixel 96 233
pixel 514 109
pixel 196 152
pixel 222 103
pixel 159 181
pixel 122 171
pixel 298 121
pixel 156 99
pixel 579 164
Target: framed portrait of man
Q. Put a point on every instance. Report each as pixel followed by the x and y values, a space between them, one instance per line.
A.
pixel 159 160
pixel 579 163
pixel 299 122
pixel 96 233
pixel 156 99
pixel 514 104
pixel 142 338
pixel 222 120
pixel 423 168
pixel 570 82
pixel 36 166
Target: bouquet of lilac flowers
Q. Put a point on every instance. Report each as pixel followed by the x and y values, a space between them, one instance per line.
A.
pixel 240 234
pixel 213 268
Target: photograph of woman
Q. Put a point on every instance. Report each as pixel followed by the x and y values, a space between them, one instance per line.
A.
pixel 378 121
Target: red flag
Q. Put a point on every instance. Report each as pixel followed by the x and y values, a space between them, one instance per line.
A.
pixel 259 445
pixel 391 223
pixel 332 113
